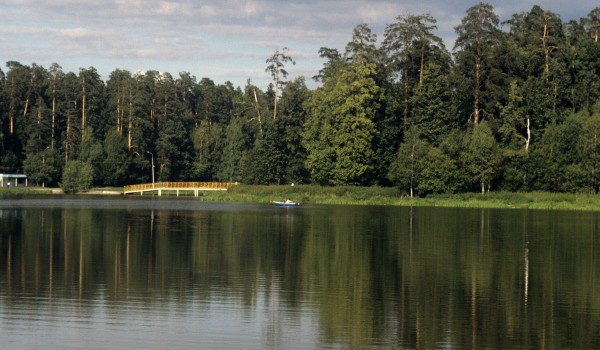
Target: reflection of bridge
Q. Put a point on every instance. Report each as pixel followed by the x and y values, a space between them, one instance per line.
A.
pixel 175 188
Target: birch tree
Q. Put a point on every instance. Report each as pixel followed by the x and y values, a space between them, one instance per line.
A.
pixel 406 169
pixel 481 156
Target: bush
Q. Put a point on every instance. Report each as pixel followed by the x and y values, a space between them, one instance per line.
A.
pixel 77 176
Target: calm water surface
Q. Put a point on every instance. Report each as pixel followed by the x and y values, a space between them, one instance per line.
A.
pixel 122 273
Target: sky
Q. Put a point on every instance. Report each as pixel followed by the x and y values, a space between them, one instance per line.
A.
pixel 224 40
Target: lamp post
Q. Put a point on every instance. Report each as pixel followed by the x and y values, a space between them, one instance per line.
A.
pixel 151 154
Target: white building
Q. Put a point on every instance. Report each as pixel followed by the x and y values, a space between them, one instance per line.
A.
pixel 13 180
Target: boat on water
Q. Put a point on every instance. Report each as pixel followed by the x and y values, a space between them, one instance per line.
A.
pixel 287 203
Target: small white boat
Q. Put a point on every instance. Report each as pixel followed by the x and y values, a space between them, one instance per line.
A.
pixel 286 204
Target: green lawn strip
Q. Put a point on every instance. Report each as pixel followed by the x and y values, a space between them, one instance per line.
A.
pixel 392 196
pixel 354 195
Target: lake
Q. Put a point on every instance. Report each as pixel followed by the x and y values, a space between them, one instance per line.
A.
pixel 179 273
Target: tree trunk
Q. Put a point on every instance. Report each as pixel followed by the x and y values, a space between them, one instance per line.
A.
pixel 28 96
pixel 165 110
pixel 26 107
pixel 528 140
pixel 119 122
pixel 258 112
pixel 476 93
pixel 11 113
pixel 412 169
pixel 130 126
pixel 68 131
pixel 152 110
pixel 66 153
pixel 53 110
pixel 406 84
pixel 39 122
pixel 546 50
pixel 422 66
pixel 276 92
pixel 11 121
pixel 83 98
pixel 405 102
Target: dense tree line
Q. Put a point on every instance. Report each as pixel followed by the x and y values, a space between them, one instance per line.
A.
pixel 515 106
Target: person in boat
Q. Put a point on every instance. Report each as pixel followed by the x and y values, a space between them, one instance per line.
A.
pixel 287 201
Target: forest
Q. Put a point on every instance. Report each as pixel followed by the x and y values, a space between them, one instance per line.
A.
pixel 513 106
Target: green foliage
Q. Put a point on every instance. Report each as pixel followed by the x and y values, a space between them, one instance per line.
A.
pixel 41 167
pixel 513 120
pixel 265 162
pixel 92 153
pixel 208 145
pixel 433 110
pixel 236 143
pixel 77 176
pixel 293 99
pixel 536 85
pixel 116 160
pixel 589 148
pixel 406 170
pixel 480 156
pixel 517 168
pixel 439 173
pixel 340 131
pixel 479 42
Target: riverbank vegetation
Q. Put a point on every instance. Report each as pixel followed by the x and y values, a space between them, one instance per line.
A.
pixel 356 195
pixel 24 190
pixel 361 195
pixel 513 107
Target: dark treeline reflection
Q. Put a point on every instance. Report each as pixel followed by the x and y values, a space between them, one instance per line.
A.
pixel 404 277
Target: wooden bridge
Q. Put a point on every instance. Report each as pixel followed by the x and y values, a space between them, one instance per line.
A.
pixel 176 188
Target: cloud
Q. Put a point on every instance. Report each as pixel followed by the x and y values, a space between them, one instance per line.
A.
pixel 216 36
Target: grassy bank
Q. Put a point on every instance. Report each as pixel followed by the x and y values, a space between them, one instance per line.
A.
pixel 25 190
pixel 307 194
pixel 391 196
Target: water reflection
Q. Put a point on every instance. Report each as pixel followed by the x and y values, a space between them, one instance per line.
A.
pixel 185 273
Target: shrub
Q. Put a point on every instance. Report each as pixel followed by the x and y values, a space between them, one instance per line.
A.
pixel 77 176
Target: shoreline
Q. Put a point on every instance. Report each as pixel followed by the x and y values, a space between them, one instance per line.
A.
pixel 352 195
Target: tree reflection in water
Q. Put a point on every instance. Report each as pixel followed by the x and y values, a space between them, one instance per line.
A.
pixel 316 276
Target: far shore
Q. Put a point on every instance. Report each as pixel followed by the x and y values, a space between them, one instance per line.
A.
pixel 353 195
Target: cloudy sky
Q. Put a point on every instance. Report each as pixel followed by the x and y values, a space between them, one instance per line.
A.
pixel 219 39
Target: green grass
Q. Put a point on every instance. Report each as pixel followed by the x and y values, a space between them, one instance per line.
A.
pixel 25 190
pixel 352 195
pixel 392 196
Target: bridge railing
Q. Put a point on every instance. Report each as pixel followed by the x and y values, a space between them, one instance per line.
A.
pixel 178 185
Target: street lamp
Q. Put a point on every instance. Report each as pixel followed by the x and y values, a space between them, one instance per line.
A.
pixel 150 153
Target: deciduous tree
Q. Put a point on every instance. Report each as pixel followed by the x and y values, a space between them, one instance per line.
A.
pixel 340 130
pixel 406 170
